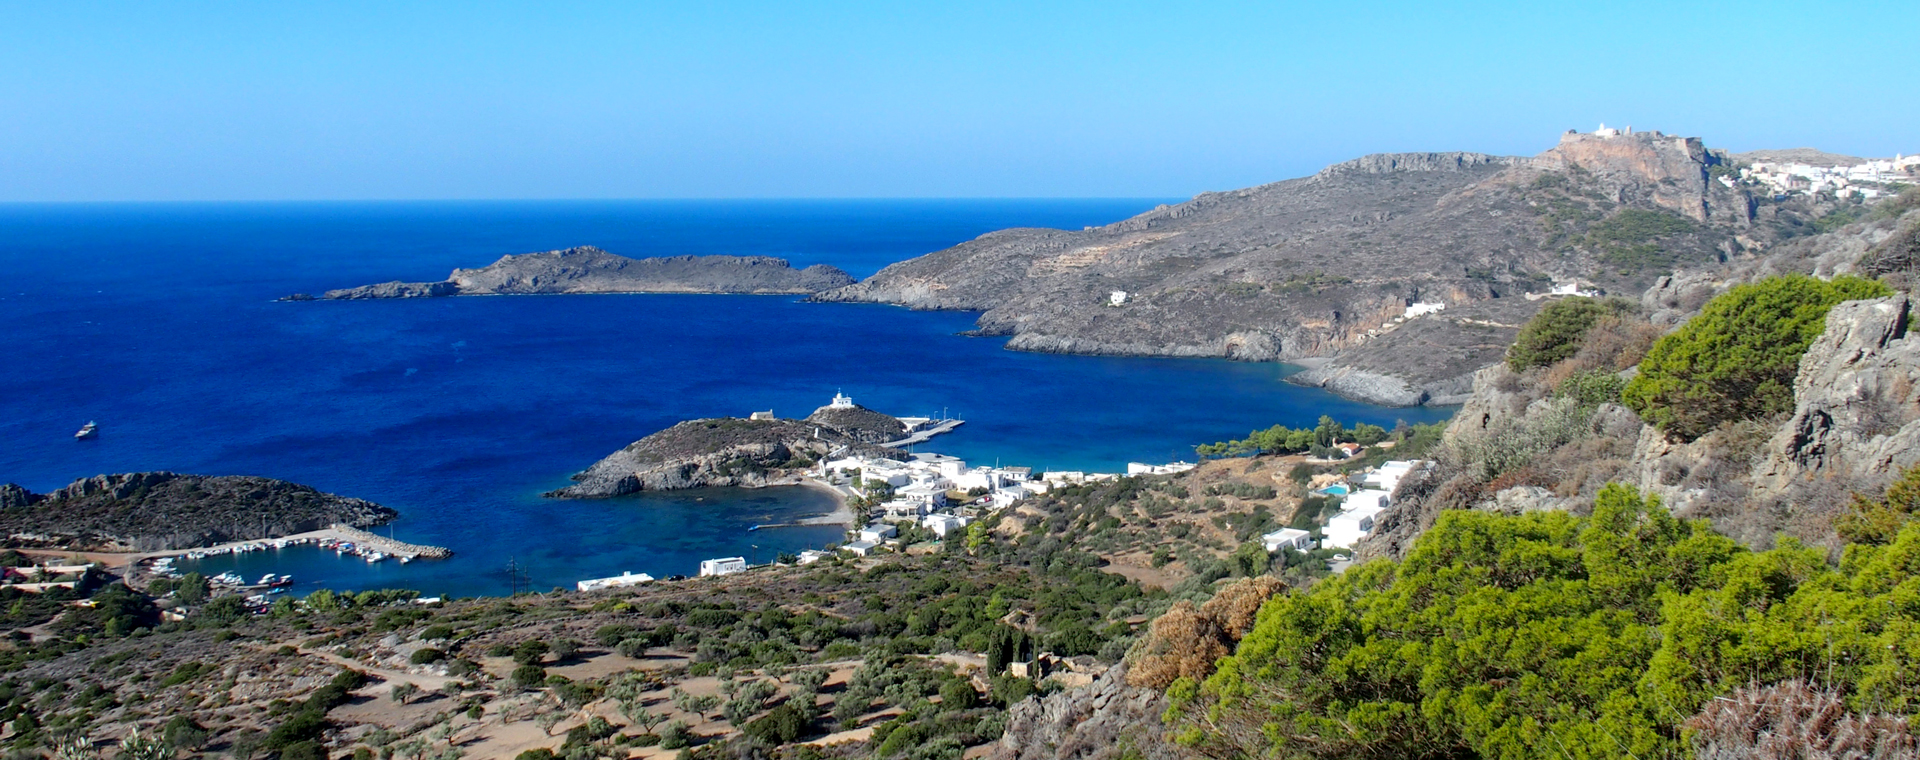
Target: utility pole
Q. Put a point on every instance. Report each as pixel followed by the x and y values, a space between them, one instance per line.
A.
pixel 513 575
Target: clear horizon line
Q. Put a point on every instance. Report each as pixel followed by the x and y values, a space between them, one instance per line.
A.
pixel 607 199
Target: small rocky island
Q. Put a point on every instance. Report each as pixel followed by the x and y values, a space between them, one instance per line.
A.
pixel 587 269
pixel 156 511
pixel 755 452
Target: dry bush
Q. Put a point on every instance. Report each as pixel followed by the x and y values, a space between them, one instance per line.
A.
pixel 1235 607
pixel 1522 476
pixel 1181 642
pixel 1188 640
pixel 1794 720
pixel 1615 343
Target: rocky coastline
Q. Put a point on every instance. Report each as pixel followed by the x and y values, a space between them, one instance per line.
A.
pixel 159 511
pixel 587 269
pixel 1402 273
pixel 727 451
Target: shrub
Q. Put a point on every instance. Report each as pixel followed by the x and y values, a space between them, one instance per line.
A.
pixel 183 732
pixel 426 655
pixel 1556 332
pixel 1547 635
pixel 1877 522
pixel 1736 360
pixel 781 725
pixel 675 735
pixel 436 632
pixel 1795 719
pixel 529 676
pixel 1592 388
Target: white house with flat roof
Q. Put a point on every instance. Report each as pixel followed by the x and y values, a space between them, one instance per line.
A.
pixel 878 532
pixel 628 578
pixel 723 566
pixel 810 556
pixel 1288 538
pixel 1366 498
pixel 1347 528
pixel 862 548
pixel 942 524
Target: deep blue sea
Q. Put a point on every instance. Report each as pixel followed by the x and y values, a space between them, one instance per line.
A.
pixel 159 321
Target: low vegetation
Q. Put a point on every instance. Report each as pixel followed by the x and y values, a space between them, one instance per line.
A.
pixel 1736 360
pixel 1554 636
pixel 1559 330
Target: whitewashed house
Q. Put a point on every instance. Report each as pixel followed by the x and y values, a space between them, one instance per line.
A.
pixel 862 548
pixel 723 566
pixel 1365 499
pixel 942 524
pixel 1288 538
pixel 628 578
pixel 878 532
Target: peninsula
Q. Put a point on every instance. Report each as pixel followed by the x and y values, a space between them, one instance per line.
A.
pixel 1393 276
pixel 160 511
pixel 587 269
pixel 761 450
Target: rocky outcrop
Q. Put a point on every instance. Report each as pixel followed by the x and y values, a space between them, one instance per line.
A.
pixel 859 423
pixel 590 270
pixel 151 511
pixel 725 451
pixel 1326 267
pixel 1856 400
pixel 13 496
pixel 1107 720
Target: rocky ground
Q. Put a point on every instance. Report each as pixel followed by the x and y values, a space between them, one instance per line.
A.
pixel 1324 267
pixel 724 451
pixel 150 511
pixel 590 270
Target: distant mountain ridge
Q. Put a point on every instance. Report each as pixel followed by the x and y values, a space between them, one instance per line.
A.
pixel 1324 269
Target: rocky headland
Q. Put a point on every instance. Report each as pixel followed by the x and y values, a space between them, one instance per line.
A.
pixel 1330 267
pixel 155 511
pixel 587 269
pixel 730 451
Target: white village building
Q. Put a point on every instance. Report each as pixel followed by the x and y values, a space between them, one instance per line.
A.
pixel 723 566
pixel 628 578
pixel 1288 538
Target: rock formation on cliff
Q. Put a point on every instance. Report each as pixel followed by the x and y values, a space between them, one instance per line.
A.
pixel 590 270
pixel 1328 266
pixel 150 511
pixel 724 451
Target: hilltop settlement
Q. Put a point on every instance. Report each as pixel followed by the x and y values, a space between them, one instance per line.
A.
pixel 1677 514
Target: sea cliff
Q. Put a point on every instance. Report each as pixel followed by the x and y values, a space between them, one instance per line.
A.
pixel 154 511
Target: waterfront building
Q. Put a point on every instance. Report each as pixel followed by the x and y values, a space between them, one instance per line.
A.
pixel 1142 468
pixel 628 578
pixel 723 566
pixel 862 548
pixel 810 556
pixel 878 532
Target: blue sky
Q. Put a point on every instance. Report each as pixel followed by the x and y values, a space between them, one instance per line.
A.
pixel 379 100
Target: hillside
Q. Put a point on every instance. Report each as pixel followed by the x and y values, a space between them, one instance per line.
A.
pixel 587 269
pixel 1326 267
pixel 149 511
pixel 724 451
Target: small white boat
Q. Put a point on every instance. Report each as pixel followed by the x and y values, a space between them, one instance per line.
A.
pixel 87 431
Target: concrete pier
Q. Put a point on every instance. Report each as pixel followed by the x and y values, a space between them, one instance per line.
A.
pixel 924 434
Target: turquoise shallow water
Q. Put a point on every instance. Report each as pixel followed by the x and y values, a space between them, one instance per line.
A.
pixel 157 320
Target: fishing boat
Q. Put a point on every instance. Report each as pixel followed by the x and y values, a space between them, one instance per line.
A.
pixel 87 431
